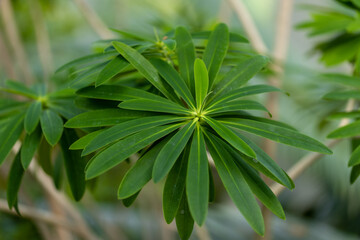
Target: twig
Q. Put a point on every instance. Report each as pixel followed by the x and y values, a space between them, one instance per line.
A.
pixel 249 26
pixel 42 215
pixel 14 39
pixel 93 19
pixel 305 162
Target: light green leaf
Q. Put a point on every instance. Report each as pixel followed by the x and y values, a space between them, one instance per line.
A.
pixel 125 129
pixel 235 105
pixel 355 157
pixel 88 76
pixel 142 65
pixel 239 76
pixel 136 178
pixel 339 115
pixel 14 181
pixel 174 187
pixel 32 117
pixel 350 130
pixel 235 185
pixel 197 178
pixel 342 79
pixel 215 51
pixel 19 88
pixel 172 77
pixel 186 56
pixel 234 37
pixel 277 134
pixel 105 117
pixel 29 146
pixel 10 134
pixel 52 126
pixel 342 95
pixel 201 82
pixel 230 137
pixel 74 164
pixel 171 151
pixel 121 150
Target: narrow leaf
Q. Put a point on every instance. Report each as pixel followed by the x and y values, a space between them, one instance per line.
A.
pixel 184 221
pixel 355 157
pixel 81 143
pixel 197 178
pixel 14 181
pixel 29 146
pixel 342 95
pixel 114 67
pixel 171 151
pixel 236 105
pixel 201 82
pixel 19 88
pixel 121 150
pixel 52 126
pixel 32 117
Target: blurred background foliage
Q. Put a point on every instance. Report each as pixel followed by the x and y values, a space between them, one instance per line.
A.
pixel 323 205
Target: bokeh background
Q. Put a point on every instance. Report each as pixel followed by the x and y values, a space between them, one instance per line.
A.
pixel 38 36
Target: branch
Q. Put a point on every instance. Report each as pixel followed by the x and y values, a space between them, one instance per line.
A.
pixel 249 26
pixel 44 216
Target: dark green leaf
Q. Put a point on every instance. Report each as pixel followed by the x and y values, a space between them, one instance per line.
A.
pixel 10 134
pixel 230 137
pixel 186 56
pixel 74 164
pixel 197 178
pixel 174 187
pixel 52 126
pixel 136 178
pixel 355 173
pixel 235 185
pixel 121 150
pixel 106 117
pixel 88 76
pixel 29 146
pixel 277 134
pixel 14 181
pixel 343 95
pixel 117 65
pixel 235 105
pixel 171 151
pixel 215 51
pixel 184 221
pixel 32 117
pixel 81 143
pixel 125 129
pixel 130 200
pixel 355 157
pixel 339 115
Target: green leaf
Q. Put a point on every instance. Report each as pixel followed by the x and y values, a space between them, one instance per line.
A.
pixel 121 150
pixel 136 178
pixel 186 56
pixel 164 105
pixel 277 134
pixel 64 107
pixel 339 115
pixel 19 88
pixel 173 78
pixel 355 173
pixel 29 146
pixel 174 187
pixel 197 178
pixel 350 130
pixel 114 67
pixel 52 126
pixel 341 79
pixel 142 65
pixel 259 188
pixel 74 164
pixel 44 157
pixel 235 105
pixel 10 134
pixel 242 92
pixel 105 117
pixel 125 129
pixel 201 82
pixel 14 181
pixel 230 137
pixel 265 164
pixel 234 37
pixel 113 92
pixel 130 200
pixel 236 185
pixel 32 117
pixel 239 76
pixel 90 59
pixel 88 76
pixel 215 51
pixel 82 142
pixel 211 185
pixel 355 157
pixel 342 95
pixel 9 107
pixel 184 221
pixel 171 151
